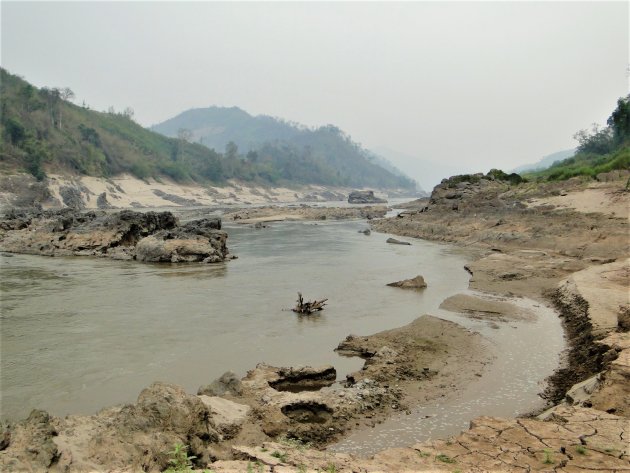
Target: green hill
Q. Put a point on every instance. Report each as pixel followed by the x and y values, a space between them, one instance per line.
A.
pixel 42 131
pixel 273 141
pixel 599 151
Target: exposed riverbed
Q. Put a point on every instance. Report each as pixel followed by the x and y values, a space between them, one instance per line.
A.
pixel 525 351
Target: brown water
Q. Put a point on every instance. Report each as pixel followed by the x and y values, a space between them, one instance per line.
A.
pixel 79 334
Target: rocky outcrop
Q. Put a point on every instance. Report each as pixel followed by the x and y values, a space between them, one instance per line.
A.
pixel 135 437
pixel 364 197
pixel 24 191
pixel 414 283
pixel 31 444
pixel 102 202
pixel 71 197
pixel 150 236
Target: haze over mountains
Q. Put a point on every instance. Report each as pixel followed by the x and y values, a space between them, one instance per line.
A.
pixel 262 136
pixel 46 132
pixel 546 161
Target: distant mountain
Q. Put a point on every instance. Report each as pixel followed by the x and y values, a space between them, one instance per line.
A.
pixel 426 172
pixel 545 162
pixel 283 145
pixel 42 131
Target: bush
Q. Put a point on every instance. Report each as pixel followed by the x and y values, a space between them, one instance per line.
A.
pixel 15 131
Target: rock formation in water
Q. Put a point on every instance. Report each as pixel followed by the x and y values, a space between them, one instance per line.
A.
pixel 393 241
pixel 364 197
pixel 414 283
pixel 149 237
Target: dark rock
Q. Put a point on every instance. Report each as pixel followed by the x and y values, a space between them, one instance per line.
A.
pixel 102 203
pixel 623 319
pixel 176 199
pixel 308 412
pixel 71 197
pixel 367 231
pixel 397 242
pixel 304 378
pixel 414 283
pixel 5 437
pixel 364 197
pixel 228 383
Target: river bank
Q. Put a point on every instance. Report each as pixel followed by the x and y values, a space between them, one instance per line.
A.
pixel 126 192
pixel 573 256
pixel 531 255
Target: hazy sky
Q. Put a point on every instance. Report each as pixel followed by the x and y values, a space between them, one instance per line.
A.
pixel 472 85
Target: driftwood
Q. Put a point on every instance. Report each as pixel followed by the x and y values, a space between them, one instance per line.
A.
pixel 308 307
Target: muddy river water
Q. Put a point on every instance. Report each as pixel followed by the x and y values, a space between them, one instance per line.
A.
pixel 79 334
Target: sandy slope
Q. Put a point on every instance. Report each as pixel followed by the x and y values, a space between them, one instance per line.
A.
pixel 128 191
pixel 599 198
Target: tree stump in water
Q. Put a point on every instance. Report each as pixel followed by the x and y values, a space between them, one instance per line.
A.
pixel 308 308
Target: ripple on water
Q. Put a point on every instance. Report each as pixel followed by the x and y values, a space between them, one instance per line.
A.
pixel 100 331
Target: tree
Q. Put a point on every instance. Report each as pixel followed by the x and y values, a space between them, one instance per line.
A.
pixel 252 156
pixel 53 97
pixel 27 93
pixel 128 113
pixel 231 150
pixel 15 130
pixel 184 134
pixel 619 121
pixel 596 141
pixel 66 93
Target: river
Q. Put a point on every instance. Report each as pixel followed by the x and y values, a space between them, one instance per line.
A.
pixel 79 334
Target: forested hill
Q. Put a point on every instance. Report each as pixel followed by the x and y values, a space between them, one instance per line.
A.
pixel 42 131
pixel 272 140
pixel 600 150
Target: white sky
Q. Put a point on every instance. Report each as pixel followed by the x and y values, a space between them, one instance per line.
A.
pixel 471 85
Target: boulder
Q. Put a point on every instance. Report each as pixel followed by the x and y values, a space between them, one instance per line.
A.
pixel 71 197
pixel 227 416
pixel 102 202
pixel 580 393
pixel 29 446
pixel 364 197
pixel 414 283
pixel 228 383
pixel 138 436
pixel 393 241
